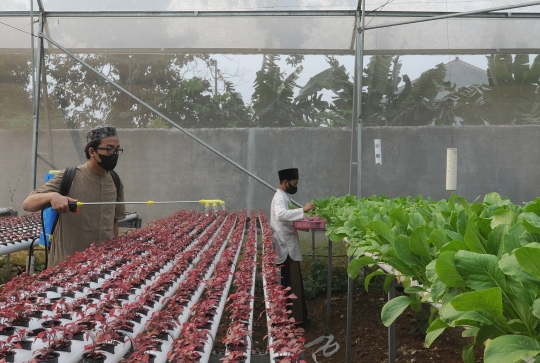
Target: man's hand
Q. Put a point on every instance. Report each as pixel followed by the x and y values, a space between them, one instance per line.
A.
pixel 59 203
pixel 308 207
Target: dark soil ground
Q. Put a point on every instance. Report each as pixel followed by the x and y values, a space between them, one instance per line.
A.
pixel 369 336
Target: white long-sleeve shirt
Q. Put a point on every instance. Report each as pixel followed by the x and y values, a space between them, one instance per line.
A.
pixel 282 223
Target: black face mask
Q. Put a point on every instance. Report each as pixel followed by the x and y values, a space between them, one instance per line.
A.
pixel 108 162
pixel 291 189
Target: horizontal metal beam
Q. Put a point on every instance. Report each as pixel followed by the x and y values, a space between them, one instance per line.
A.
pixel 205 50
pixel 136 14
pixel 367 51
pixel 314 13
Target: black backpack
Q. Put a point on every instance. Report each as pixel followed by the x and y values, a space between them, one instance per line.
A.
pixel 69 175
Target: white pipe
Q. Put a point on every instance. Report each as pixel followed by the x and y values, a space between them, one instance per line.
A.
pixel 267 306
pixel 401 278
pixel 167 345
pixel 16 247
pixel 252 304
pixel 129 217
pixel 4 210
pixel 221 307
pixel 451 169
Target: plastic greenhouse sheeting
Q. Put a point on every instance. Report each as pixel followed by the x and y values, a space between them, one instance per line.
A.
pixel 13 40
pixel 87 31
pixel 444 5
pixel 453 36
pixel 181 5
pixel 206 34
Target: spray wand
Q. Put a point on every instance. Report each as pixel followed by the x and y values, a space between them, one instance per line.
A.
pixel 74 206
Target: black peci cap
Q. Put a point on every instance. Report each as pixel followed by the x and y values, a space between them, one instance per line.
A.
pixel 288 174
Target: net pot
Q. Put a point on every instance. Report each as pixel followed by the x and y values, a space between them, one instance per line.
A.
pixel 88 358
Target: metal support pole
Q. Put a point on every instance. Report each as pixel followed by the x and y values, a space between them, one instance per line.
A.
pixel 392 328
pixel 329 285
pixel 359 73
pixel 350 288
pixel 358 91
pixel 36 84
pixel 313 244
pixel 174 124
pixel 46 110
pixel 35 106
pixel 9 265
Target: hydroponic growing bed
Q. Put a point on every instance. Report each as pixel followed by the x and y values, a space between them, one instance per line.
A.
pixel 18 233
pixel 154 294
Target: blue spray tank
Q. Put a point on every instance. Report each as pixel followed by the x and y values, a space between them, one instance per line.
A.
pixel 48 215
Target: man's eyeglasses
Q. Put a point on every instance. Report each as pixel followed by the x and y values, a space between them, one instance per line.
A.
pixel 111 150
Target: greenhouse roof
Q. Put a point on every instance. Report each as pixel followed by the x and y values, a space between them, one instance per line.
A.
pixel 277 26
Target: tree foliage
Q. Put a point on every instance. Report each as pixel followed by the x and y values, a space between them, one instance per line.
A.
pixel 175 85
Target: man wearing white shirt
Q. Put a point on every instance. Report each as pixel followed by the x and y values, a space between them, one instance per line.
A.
pixel 286 243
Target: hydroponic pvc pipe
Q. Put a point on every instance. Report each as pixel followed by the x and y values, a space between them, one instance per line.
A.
pixel 267 307
pixel 161 357
pixel 221 307
pixel 252 304
pixel 12 247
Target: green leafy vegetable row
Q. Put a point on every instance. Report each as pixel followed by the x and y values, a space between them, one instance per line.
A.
pixel 478 264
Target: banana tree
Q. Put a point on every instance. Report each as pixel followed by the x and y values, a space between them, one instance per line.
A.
pixel 337 80
pixel 382 101
pixel 510 97
pixel 272 100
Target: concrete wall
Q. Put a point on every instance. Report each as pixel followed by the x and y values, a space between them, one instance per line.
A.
pixel 503 159
pixel 167 165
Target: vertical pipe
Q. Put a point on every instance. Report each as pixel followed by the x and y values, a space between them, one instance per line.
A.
pixel 350 287
pixel 359 72
pixel 329 285
pixel 392 328
pixel 313 245
pixel 47 110
pixel 35 106
pixel 36 72
pixel 358 90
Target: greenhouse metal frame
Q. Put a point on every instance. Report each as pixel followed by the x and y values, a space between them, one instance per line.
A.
pixel 357 45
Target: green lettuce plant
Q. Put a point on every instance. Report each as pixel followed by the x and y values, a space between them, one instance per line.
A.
pixel 475 263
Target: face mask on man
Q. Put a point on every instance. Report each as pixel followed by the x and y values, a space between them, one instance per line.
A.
pixel 108 162
pixel 291 189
